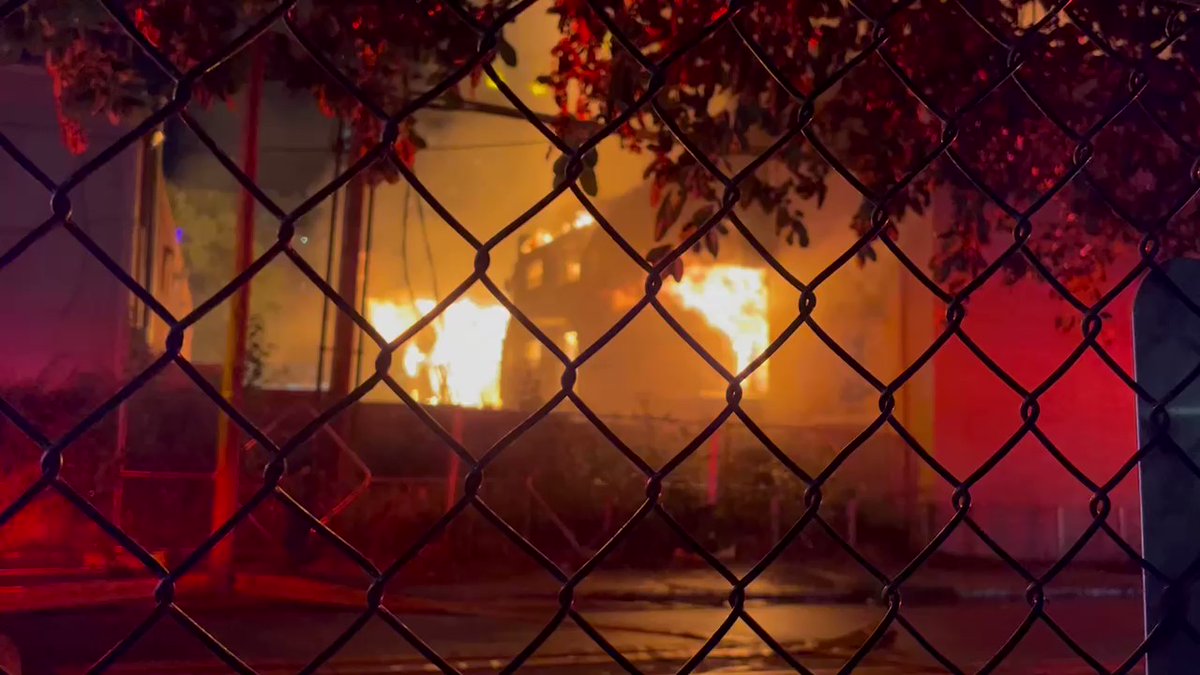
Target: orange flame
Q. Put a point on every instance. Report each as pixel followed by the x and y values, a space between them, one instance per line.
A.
pixel 583 220
pixel 462 367
pixel 733 300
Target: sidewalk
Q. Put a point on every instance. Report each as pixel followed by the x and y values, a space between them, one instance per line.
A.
pixel 788 584
pixel 692 586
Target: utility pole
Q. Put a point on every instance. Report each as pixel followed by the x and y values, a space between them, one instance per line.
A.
pixel 327 461
pixel 349 271
pixel 233 380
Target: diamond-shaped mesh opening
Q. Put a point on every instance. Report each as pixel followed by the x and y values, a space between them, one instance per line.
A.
pixel 463 158
pixel 445 573
pixel 685 393
pixel 51 535
pixel 47 650
pixel 430 257
pixel 913 132
pixel 60 382
pixel 202 191
pixel 1148 179
pixel 953 84
pixel 1044 324
pixel 283 338
pixel 564 486
pixel 1038 534
pixel 1077 389
pixel 1006 127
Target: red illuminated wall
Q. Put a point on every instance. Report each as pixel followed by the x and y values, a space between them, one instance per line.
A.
pixel 1029 502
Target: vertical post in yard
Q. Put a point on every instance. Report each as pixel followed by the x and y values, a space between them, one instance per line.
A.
pixel 349 264
pixel 1060 529
pixel 1166 347
pixel 365 278
pixel 852 521
pixel 341 364
pixel 776 518
pixel 225 476
pixel 339 150
pixel 457 424
pixel 714 466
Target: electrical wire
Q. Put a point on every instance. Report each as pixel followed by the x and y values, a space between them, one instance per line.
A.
pixel 437 296
pixel 412 296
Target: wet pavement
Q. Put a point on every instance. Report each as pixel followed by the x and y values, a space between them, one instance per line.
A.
pixel 655 637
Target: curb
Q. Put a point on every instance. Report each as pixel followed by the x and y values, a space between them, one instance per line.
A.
pixel 269 588
pixel 856 596
pixel 831 650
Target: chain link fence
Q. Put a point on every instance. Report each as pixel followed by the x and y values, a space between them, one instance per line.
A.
pixel 809 508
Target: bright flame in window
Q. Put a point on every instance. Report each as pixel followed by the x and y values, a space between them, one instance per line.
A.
pixel 571 344
pixel 733 300
pixel 462 367
pixel 583 220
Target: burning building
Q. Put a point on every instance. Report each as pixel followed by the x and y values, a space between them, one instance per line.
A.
pixel 575 285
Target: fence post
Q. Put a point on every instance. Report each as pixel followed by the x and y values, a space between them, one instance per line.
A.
pixel 776 519
pixel 714 466
pixel 1167 347
pixel 1060 529
pixel 453 468
pixel 852 521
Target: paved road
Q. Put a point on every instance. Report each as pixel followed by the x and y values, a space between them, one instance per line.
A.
pixel 657 638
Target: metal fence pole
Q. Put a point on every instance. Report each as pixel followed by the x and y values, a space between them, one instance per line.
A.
pixel 1165 342
pixel 228 465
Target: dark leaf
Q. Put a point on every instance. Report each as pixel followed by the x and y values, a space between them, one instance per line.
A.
pixel 983 230
pixel 560 169
pixel 781 220
pixel 506 52
pixel 801 233
pixel 676 269
pixel 743 140
pixel 748 190
pixel 658 253
pixel 700 217
pixel 748 114
pixel 591 158
pixel 668 213
pixel 587 180
pixel 1018 268
pixel 661 226
pixel 454 98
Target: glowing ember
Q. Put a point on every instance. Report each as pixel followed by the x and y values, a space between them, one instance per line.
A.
pixel 462 367
pixel 733 300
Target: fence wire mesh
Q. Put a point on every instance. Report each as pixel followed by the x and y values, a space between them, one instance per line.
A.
pixel 1016 46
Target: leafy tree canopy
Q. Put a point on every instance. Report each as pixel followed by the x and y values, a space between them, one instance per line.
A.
pixel 1071 129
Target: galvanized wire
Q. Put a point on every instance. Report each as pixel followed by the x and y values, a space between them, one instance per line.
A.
pixel 57 451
